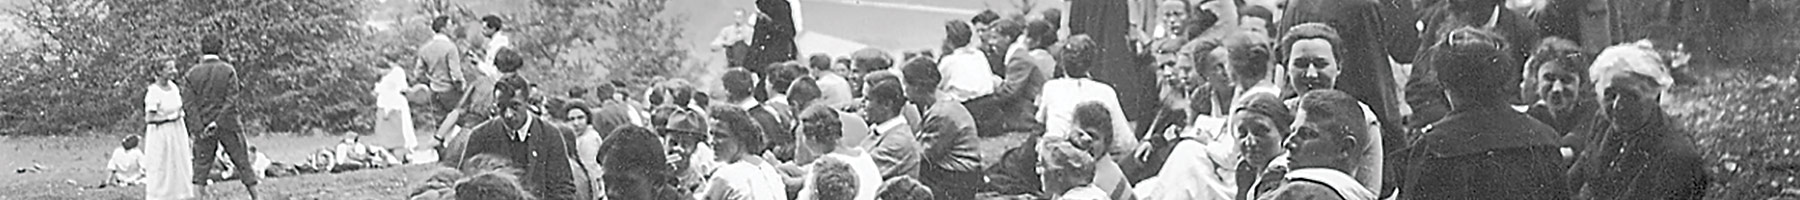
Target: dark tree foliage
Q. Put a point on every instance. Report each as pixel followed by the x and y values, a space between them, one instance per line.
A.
pixel 307 65
pixel 300 60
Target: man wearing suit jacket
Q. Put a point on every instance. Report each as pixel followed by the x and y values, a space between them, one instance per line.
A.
pixel 520 134
pixel 211 103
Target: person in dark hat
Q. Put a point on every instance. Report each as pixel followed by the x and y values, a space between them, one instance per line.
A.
pixel 211 103
pixel 950 165
pixel 1483 149
pixel 684 135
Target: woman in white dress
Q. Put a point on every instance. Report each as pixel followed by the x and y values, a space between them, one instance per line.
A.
pixel 394 126
pixel 168 153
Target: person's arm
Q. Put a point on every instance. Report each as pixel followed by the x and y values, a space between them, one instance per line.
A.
pixel 1018 74
pixel 152 111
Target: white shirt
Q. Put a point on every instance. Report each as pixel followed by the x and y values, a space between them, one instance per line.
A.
pixel 1056 108
pixel 733 33
pixel 868 176
pixel 748 179
pixel 966 75
pixel 388 90
pixel 834 90
pixel 494 44
pixel 587 146
pixel 127 164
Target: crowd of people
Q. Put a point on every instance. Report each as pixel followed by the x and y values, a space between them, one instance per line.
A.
pixel 1297 99
pixel 1303 99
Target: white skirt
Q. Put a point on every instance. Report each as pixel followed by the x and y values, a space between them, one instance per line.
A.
pixel 168 161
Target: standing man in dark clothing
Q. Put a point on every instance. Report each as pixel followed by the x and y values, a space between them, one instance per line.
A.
pixel 772 40
pixel 1108 22
pixel 1483 149
pixel 212 98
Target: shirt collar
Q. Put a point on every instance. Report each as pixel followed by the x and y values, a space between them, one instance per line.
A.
pixel 747 104
pixel 440 36
pixel 890 124
pixel 524 131
pixel 499 39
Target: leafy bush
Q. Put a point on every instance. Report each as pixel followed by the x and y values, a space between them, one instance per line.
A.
pixel 300 61
pixel 307 64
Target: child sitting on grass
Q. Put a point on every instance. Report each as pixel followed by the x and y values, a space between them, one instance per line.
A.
pixel 125 165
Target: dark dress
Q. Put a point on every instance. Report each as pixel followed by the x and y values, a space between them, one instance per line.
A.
pixel 773 38
pixel 1649 162
pixel 1494 153
pixel 1108 23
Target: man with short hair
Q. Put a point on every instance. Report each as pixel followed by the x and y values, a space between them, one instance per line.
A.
pixel 896 149
pixel 999 36
pixel 1369 32
pixel 1257 19
pixel 440 67
pixel 951 164
pixel 1325 148
pixel 1171 16
pixel 496 40
pixel 1315 63
pixel 212 95
pixel 523 135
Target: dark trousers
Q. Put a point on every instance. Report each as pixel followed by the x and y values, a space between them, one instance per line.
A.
pixel 949 184
pixel 227 134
